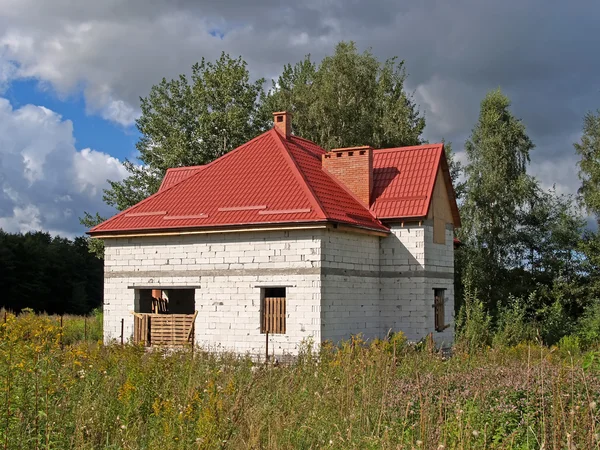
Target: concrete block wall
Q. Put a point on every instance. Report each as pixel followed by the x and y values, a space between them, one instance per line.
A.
pixel 350 283
pixel 227 271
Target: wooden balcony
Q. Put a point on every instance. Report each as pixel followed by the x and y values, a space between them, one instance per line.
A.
pixel 167 330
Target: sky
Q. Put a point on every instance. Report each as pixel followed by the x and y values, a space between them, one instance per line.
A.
pixel 72 73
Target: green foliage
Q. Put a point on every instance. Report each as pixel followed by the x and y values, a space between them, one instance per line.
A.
pixel 49 274
pixel 588 328
pixel 555 322
pixel 349 99
pixel 570 345
pixel 188 122
pixel 513 325
pixel 589 165
pixel 473 324
pixel 95 246
pixel 518 238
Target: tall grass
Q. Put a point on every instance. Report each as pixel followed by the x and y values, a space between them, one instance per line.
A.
pixel 359 395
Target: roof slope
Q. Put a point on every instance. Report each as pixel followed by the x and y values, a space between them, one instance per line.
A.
pixel 404 178
pixel 267 180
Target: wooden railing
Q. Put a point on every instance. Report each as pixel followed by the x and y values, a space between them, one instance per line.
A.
pixel 164 329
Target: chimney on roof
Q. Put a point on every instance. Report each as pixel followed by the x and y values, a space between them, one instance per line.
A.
pixel 283 123
pixel 353 167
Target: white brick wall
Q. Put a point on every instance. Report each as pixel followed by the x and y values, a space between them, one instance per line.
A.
pixel 338 283
pixel 229 269
pixel 350 298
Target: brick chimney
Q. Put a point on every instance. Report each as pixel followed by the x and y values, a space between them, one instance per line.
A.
pixel 283 123
pixel 353 167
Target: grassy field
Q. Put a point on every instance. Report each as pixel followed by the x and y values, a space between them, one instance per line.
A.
pixel 361 395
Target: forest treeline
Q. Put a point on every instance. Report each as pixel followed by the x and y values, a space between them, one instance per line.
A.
pixel 529 263
pixel 51 274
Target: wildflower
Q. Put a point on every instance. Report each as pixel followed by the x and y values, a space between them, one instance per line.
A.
pixel 475 433
pixel 123 427
pixel 330 441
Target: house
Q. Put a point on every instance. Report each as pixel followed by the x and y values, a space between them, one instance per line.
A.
pixel 279 242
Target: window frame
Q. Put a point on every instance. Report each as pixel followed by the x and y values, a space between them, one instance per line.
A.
pixel 273 310
pixel 439 309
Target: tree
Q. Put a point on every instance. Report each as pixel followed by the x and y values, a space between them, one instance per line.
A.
pixel 190 122
pixel 349 99
pixel 95 246
pixel 497 184
pixel 589 165
pixel 497 190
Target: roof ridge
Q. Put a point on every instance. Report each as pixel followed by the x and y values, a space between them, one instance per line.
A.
pixel 160 192
pixel 304 183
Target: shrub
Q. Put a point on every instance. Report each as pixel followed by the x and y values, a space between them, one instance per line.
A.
pixel 513 326
pixel 555 323
pixel 588 328
pixel 473 322
pixel 569 345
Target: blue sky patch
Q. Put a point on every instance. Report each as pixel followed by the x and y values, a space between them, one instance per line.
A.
pixel 89 130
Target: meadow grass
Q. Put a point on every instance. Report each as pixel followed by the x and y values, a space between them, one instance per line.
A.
pixel 382 394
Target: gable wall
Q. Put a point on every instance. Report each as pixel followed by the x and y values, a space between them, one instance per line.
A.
pixel 412 265
pixel 440 211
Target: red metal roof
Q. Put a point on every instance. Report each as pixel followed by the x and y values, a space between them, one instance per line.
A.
pixel 266 180
pixel 273 180
pixel 403 180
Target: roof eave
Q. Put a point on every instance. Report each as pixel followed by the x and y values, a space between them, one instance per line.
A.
pixel 253 226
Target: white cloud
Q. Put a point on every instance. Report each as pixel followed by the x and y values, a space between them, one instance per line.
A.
pixel 45 183
pixel 114 51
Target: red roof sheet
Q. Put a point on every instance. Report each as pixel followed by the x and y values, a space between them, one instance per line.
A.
pixel 178 174
pixel 403 180
pixel 267 180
